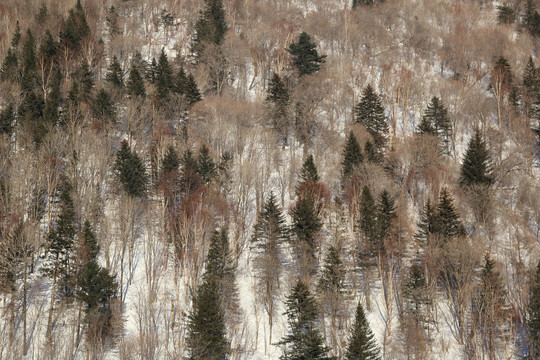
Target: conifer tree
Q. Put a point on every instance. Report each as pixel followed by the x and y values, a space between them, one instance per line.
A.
pixel 476 169
pixel 448 223
pixel 304 340
pixel 415 293
pixel 309 170
pixel 426 127
pixel 436 121
pixel 164 76
pixel 28 59
pixel 370 113
pixel 306 225
pixel 278 99
pixel 305 56
pixel 10 67
pixel 89 244
pixel 186 85
pixel 7 119
pixel 97 289
pixel 505 15
pixel 368 219
pixel 371 153
pixel 531 19
pixel 115 75
pixel 332 278
pixel 131 171
pixel 352 156
pixel 135 83
pixel 171 161
pixel 361 344
pixel 427 226
pixel 207 334
pixel 75 27
pixel 386 213
pixel 85 79
pixel 211 27
pixel 206 167
pixel 533 316
pixel 41 16
pixel 48 50
pixel 51 115
pixel 16 36
pixel 103 107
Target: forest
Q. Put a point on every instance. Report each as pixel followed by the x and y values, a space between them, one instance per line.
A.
pixel 270 179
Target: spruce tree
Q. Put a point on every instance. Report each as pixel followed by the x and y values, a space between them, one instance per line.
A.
pixel 531 19
pixel 103 107
pixel 332 278
pixel 164 76
pixel 210 28
pixel 89 244
pixel 51 115
pixel 206 167
pixel 170 162
pixel 436 121
pixel 7 120
pixel 28 62
pixel 368 220
pixel 305 56
pixel 131 171
pixel 361 344
pixel 49 48
pixel 85 78
pixel 427 226
pixel 415 293
pixel 386 213
pixel 352 156
pixel 370 113
pixel 448 223
pixel 135 83
pixel 505 15
pixel 309 170
pixel 207 334
pixel 16 36
pixel 10 67
pixel 115 75
pixel 371 153
pixel 278 99
pixel 304 340
pixel 97 289
pixel 306 225
pixel 533 316
pixel 186 85
pixel 476 167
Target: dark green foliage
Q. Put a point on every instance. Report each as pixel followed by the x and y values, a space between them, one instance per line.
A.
pixel 103 107
pixel 207 335
pixel 448 222
pixel 166 17
pixel 270 230
pixel 206 167
pixel 89 245
pixel 211 27
pixel 41 16
pixel 505 15
pixel 306 225
pixel 435 121
pixel 491 297
pixel 304 340
pixel 427 226
pixel 10 67
pixel 371 153
pixel 476 167
pixel 531 19
pixel 16 36
pixel 530 77
pixel 7 120
pixel 75 27
pixel 131 171
pixel 115 75
pixel 186 85
pixel 352 156
pixel 415 293
pixel 28 61
pixel 135 83
pixel 85 77
pixel 277 92
pixel 332 278
pixel 31 115
pixel 305 56
pixel 97 287
pixel 386 213
pixel 112 22
pixel 368 219
pixel 370 113
pixel 278 99
pixel 164 76
pixel 51 115
pixel 361 344
pixel 48 49
pixel 309 170
pixel 171 162
pixel 533 316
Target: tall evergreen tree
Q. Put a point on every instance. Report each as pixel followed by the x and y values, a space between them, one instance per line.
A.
pixel 476 169
pixel 171 161
pixel 7 120
pixel 16 36
pixel 306 225
pixel 207 334
pixel 305 56
pixel 386 213
pixel 437 122
pixel 368 219
pixel 304 340
pixel 361 343
pixel 131 171
pixel 533 316
pixel 448 223
pixel 332 278
pixel 10 67
pixel 97 289
pixel 103 107
pixel 415 293
pixel 370 113
pixel 186 85
pixel 531 19
pixel 211 27
pixel 352 156
pixel 135 83
pixel 278 99
pixel 164 76
pixel 49 48
pixel 51 114
pixel 427 226
pixel 309 170
pixel 206 167
pixel 115 74
pixel 85 78
pixel 28 62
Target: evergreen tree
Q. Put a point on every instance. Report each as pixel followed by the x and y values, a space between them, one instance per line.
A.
pixel 28 59
pixel 51 115
pixel 41 16
pixel 362 344
pixel 48 50
pixel 89 244
pixel 476 169
pixel 10 67
pixel 368 219
pixel 306 225
pixel 135 83
pixel 206 167
pixel 171 161
pixel 103 107
pixel 426 127
pixel 304 340
pixel 530 77
pixel 531 19
pixel 75 27
pixel 386 213
pixel 7 120
pixel 448 223
pixel 305 56
pixel 371 153
pixel 370 113
pixel 16 36
pixel 97 289
pixel 415 293
pixel 131 171
pixel 186 85
pixel 164 76
pixel 533 317
pixel 427 226
pixel 352 156
pixel 278 99
pixel 207 335
pixel 85 78
pixel 436 118
pixel 309 170
pixel 115 75
pixel 211 27
pixel 332 278
pixel 505 15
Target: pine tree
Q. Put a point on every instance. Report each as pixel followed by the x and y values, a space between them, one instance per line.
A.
pixel 164 76
pixel 41 16
pixel 186 85
pixel 305 56
pixel 368 219
pixel 332 278
pixel 533 317
pixel 211 27
pixel 278 99
pixel 103 107
pixel 427 226
pixel 448 223
pixel 75 27
pixel 135 83
pixel 115 75
pixel 352 156
pixel 131 171
pixel 207 335
pixel 386 213
pixel 306 225
pixel 426 127
pixel 476 169
pixel 7 120
pixel 48 49
pixel 304 340
pixel 309 170
pixel 89 244
pixel 171 161
pixel 362 344
pixel 370 113
pixel 10 67
pixel 531 89
pixel 29 60
pixel 436 118
pixel 206 167
pixel 16 36
pixel 85 77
